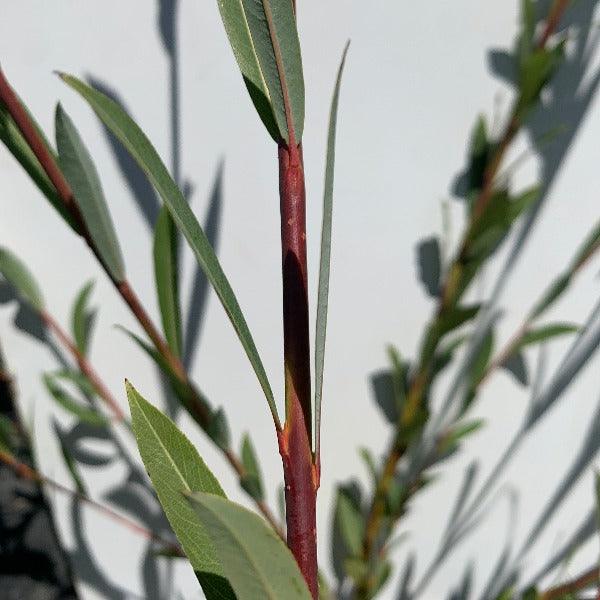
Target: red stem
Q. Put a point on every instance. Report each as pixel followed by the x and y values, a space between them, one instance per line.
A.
pixel 295 439
pixel 84 365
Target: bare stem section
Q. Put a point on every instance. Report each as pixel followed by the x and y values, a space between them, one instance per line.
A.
pixel 295 439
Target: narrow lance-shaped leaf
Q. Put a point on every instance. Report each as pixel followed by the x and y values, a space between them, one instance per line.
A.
pixel 79 170
pixel 84 414
pixel 15 142
pixel 265 43
pixel 560 285
pixel 70 463
pixel 165 273
pixel 252 481
pixel 138 145
pixel 547 332
pixel 175 468
pixel 19 276
pixel 81 318
pixel 325 262
pixel 590 245
pixel 257 563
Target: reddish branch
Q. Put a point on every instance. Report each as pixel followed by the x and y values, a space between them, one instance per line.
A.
pixel 295 439
pixel 84 365
pixel 583 582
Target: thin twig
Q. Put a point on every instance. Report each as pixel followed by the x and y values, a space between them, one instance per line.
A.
pixel 84 365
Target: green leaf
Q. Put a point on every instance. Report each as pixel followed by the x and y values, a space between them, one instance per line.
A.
pixel 554 291
pixel 82 317
pixel 546 332
pixel 17 274
pixel 457 317
pixel 350 522
pixel 491 228
pixel 85 414
pixel 166 276
pixel 589 246
pixel 218 429
pixel 532 594
pixel 252 481
pixel 528 18
pixel 138 145
pixel 175 468
pixel 382 384
pixel 83 384
pixel 444 355
pixel 452 440
pixel 71 465
pixel 325 261
pixel 257 563
pixel 536 70
pixel 369 461
pixel 9 438
pixel 429 258
pixel 264 39
pixel 478 369
pixel 80 172
pixel 479 152
pixel 19 148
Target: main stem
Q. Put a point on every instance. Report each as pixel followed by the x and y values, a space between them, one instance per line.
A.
pixel 295 439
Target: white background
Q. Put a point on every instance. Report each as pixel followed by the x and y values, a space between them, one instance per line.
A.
pixel 417 75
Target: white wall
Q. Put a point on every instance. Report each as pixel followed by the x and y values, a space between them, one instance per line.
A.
pixel 417 75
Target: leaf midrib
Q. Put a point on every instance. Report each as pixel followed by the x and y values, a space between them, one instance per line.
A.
pixel 281 71
pixel 168 454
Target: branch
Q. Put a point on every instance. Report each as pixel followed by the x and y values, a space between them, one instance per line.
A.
pixel 450 294
pixel 197 407
pixel 582 582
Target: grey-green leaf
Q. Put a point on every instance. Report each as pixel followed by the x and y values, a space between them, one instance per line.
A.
pixel 590 245
pixel 554 291
pixel 265 43
pixel 175 468
pixel 84 414
pixel 80 171
pixel 257 563
pixel 82 317
pixel 18 275
pixel 140 148
pixel 350 522
pixel 546 332
pixel 252 481
pixel 165 273
pixel 71 464
pixel 325 261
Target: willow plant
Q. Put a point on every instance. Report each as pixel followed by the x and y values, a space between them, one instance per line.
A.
pixel 235 552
